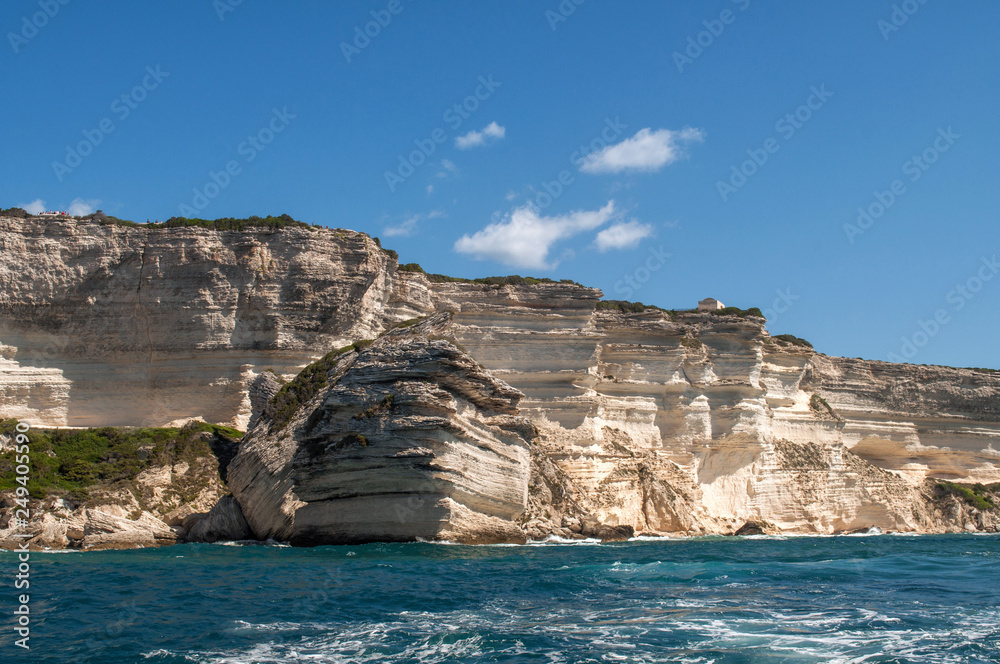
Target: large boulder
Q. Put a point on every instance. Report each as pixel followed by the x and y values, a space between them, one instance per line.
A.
pixel 224 522
pixel 405 439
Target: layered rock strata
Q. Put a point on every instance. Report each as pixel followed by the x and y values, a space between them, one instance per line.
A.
pixel 406 439
pixel 658 422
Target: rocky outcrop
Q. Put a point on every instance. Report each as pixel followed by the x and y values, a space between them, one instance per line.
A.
pixel 655 422
pixel 183 500
pixel 406 439
pixel 224 523
pixel 262 390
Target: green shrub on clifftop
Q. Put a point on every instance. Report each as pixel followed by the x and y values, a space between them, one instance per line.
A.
pixel 307 384
pixel 72 460
pixel 792 339
pixel 742 313
pixel 625 306
pixel 976 495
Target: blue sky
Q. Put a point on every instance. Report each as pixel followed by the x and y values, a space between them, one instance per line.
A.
pixel 601 142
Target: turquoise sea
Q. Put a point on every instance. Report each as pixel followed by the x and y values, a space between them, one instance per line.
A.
pixel 877 598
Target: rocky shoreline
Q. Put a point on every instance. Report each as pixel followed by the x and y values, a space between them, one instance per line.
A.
pixel 380 403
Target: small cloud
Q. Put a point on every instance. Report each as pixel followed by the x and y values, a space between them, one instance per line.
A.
pixel 646 151
pixel 493 130
pixel 81 208
pixel 625 235
pixel 490 133
pixel 36 206
pixel 449 168
pixel 409 225
pixel 430 189
pixel 511 195
pixel 523 238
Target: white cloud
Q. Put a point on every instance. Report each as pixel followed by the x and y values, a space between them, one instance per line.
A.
pixel 492 131
pixel 523 237
pixel 81 208
pixel 430 189
pixel 625 235
pixel 36 206
pixel 646 151
pixel 449 168
pixel 408 226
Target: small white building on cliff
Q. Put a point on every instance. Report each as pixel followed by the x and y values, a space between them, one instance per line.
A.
pixel 710 304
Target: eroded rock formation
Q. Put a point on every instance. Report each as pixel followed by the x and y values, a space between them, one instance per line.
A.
pixel 651 422
pixel 406 439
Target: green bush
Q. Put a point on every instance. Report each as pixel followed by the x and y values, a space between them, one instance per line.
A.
pixel 625 307
pixel 792 339
pixel 509 280
pixel 691 342
pixel 293 394
pixel 411 267
pixel 298 391
pixel 820 405
pixel 742 313
pixel 409 322
pixel 444 279
pixel 73 460
pixel 14 212
pixel 232 224
pixel 974 495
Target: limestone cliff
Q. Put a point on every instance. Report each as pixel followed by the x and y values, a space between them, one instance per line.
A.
pixel 175 322
pixel 405 439
pixel 654 422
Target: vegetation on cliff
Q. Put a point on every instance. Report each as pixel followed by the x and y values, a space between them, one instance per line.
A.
pixel 742 313
pixel 73 462
pixel 792 340
pixel 233 224
pixel 221 224
pixel 509 280
pixel 980 496
pixel 307 384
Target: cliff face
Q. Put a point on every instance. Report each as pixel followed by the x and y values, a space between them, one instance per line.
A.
pixel 173 322
pixel 742 426
pixel 408 438
pixel 653 422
